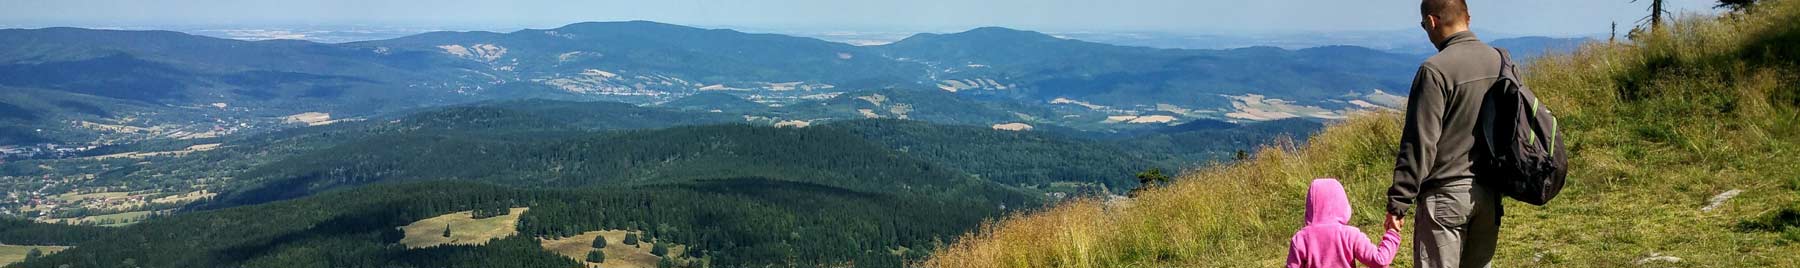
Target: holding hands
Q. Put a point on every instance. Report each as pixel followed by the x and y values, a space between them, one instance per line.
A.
pixel 1393 222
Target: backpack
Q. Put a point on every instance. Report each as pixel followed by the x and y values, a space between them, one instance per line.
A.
pixel 1518 149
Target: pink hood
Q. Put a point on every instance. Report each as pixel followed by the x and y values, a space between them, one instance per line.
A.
pixel 1328 240
pixel 1326 203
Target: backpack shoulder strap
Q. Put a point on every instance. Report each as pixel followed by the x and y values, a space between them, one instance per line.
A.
pixel 1507 68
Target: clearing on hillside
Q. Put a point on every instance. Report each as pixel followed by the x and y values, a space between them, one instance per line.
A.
pixel 109 220
pixel 465 229
pixel 73 197
pixel 618 254
pixel 185 197
pixel 10 254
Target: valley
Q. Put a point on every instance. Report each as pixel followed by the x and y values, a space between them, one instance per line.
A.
pixel 80 87
pixel 710 147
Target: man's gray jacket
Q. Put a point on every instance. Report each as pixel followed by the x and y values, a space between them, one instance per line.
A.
pixel 1439 135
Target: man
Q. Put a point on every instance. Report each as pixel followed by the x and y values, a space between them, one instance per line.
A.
pixel 1458 220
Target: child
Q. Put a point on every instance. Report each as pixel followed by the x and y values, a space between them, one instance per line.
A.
pixel 1329 241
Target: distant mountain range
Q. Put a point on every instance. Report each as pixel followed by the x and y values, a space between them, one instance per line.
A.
pixel 82 85
pixel 1410 41
pixel 750 150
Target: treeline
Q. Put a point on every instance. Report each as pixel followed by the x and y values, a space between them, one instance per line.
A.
pixel 489 212
pixel 757 221
pixel 1008 157
pixel 78 212
pixel 741 222
pixel 1219 143
pixel 1038 158
pixel 822 156
pixel 20 231
pixel 497 120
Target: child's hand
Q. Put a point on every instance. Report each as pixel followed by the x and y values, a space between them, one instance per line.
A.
pixel 1393 222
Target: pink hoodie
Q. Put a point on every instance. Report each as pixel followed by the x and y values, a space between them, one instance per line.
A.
pixel 1328 240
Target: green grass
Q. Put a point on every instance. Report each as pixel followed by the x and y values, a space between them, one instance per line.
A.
pixel 618 254
pixel 10 254
pixel 1656 128
pixel 112 220
pixel 465 229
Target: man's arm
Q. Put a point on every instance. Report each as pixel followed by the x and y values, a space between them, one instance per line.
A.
pixel 1418 139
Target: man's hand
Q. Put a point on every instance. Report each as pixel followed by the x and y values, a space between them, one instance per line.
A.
pixel 1393 222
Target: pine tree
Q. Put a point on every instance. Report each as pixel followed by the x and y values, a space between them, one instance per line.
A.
pixel 446 230
pixel 600 241
pixel 665 263
pixel 1149 179
pixel 1738 5
pixel 631 239
pixel 33 254
pixel 596 256
pixel 658 249
pixel 1656 14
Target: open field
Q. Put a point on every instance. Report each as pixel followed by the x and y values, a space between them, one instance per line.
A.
pixel 465 229
pixel 10 254
pixel 115 219
pixel 72 197
pixel 618 255
pixel 190 149
pixel 185 197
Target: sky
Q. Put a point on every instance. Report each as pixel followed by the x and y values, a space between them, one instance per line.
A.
pixel 1517 17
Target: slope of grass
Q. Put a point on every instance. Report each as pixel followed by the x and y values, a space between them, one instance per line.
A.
pixel 618 254
pixel 1656 128
pixel 465 229
pixel 10 254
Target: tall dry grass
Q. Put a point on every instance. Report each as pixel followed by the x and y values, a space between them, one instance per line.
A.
pixel 1658 127
pixel 1230 215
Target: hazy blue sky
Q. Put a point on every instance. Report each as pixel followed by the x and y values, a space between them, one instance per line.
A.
pixel 1534 17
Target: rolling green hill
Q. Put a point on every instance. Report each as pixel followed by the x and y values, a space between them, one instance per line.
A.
pixel 729 222
pixel 709 56
pixel 709 101
pixel 744 195
pixel 647 157
pixel 926 105
pixel 875 193
pixel 1040 67
pixel 1682 154
pixel 1008 157
pixel 222 169
pixel 1202 142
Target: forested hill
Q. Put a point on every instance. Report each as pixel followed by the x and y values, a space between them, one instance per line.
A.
pixel 733 222
pixel 1682 149
pixel 675 155
pixel 1010 157
pixel 540 143
pixel 737 195
pixel 875 192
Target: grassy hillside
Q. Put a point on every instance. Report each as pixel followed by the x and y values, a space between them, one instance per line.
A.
pixel 618 254
pixel 1658 128
pixel 464 229
pixel 11 254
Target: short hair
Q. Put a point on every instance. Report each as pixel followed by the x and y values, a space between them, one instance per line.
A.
pixel 1449 11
